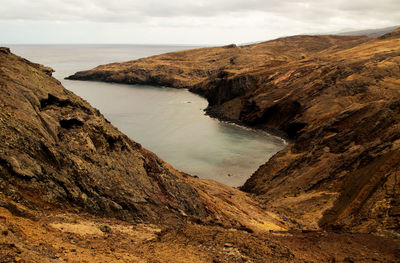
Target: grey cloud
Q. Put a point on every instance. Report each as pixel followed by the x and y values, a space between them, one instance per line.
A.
pixel 135 11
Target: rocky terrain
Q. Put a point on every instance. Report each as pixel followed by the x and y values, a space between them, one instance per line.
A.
pixel 75 189
pixel 335 97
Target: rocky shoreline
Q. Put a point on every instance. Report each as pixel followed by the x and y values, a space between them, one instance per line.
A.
pixel 215 112
pixel 325 93
pixel 74 188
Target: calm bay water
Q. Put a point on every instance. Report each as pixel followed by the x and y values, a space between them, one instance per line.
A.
pixel 167 121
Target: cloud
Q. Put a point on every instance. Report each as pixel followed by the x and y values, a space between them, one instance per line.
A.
pixel 260 19
pixel 133 11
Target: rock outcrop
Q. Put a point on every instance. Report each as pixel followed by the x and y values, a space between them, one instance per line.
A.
pixel 58 151
pixel 335 97
pixel 68 177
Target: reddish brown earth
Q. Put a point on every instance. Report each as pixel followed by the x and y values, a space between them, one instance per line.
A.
pixel 71 237
pixel 75 189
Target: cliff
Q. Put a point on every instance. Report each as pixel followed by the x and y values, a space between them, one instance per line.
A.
pixel 336 98
pixel 342 111
pixel 75 189
pixel 58 151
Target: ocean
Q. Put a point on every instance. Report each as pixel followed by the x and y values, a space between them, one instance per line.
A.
pixel 167 121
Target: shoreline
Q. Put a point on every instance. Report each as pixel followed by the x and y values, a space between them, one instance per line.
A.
pixel 209 110
pixel 273 136
pixel 216 114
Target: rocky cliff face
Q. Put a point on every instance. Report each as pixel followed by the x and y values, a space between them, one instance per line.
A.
pixel 58 151
pixel 341 171
pixel 337 99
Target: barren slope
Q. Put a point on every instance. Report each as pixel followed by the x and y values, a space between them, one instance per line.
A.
pixel 66 237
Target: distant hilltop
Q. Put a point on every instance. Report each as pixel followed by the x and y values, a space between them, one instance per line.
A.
pixel 369 32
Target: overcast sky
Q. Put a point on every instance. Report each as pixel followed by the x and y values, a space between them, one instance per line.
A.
pixel 185 21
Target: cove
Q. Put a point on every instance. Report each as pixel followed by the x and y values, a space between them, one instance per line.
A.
pixel 169 122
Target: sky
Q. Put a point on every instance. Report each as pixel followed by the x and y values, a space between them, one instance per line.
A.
pixel 204 22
